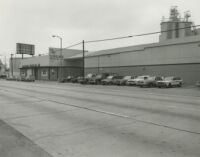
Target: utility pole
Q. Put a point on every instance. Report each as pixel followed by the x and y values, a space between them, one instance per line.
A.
pixel 83 59
pixel 5 62
pixel 61 59
pixel 11 59
pixel 61 56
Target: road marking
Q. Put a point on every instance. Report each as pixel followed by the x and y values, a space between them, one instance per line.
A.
pixel 109 113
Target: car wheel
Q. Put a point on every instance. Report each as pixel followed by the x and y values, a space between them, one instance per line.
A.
pixel 180 84
pixel 150 85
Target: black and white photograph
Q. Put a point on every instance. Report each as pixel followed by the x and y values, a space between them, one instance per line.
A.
pixel 99 78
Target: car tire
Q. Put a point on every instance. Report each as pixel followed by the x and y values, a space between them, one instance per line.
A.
pixel 180 84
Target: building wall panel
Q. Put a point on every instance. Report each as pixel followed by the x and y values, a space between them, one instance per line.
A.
pixel 172 54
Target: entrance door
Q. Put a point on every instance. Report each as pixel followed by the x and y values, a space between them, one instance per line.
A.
pixel 36 73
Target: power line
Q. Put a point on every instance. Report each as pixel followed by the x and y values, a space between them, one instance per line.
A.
pixel 73 45
pixel 91 41
pixel 69 46
pixel 144 34
pixel 130 36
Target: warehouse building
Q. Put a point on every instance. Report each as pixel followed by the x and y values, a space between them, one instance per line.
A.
pixel 176 54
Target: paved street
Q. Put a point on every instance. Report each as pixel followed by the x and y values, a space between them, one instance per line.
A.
pixel 101 121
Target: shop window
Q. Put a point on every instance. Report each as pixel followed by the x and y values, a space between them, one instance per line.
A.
pixel 44 72
pixel 23 73
pixel 53 71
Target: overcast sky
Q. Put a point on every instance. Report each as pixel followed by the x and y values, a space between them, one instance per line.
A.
pixel 35 21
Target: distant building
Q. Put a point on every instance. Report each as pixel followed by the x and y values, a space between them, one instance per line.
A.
pixel 47 67
pixel 14 65
pixel 2 69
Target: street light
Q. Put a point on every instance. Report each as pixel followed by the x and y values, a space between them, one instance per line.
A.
pixel 56 36
pixel 11 59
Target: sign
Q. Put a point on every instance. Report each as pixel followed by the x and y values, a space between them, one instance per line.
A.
pixel 25 49
pixel 31 66
pixel 54 54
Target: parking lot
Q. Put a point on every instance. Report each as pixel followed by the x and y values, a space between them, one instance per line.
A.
pixel 66 119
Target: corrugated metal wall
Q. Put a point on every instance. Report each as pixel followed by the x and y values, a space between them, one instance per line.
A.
pixel 173 54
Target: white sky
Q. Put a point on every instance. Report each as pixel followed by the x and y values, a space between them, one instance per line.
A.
pixel 35 21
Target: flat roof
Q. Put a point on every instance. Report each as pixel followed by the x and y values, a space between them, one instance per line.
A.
pixel 141 47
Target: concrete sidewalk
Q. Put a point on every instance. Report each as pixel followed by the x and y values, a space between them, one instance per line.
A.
pixel 14 144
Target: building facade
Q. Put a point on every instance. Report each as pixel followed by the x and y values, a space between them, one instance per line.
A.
pixel 2 69
pixel 52 66
pixel 14 64
pixel 176 54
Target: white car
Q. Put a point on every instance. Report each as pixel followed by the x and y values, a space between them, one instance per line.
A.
pixel 171 81
pixel 150 81
pixel 135 80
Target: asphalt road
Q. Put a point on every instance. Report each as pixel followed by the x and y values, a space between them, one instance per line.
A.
pixel 102 121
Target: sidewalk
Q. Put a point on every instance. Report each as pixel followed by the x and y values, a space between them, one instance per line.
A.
pixel 14 144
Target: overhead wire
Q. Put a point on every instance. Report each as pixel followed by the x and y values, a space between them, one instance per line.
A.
pixel 144 34
pixel 129 36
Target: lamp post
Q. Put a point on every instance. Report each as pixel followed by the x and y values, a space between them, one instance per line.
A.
pixel 61 57
pixel 11 64
pixel 83 59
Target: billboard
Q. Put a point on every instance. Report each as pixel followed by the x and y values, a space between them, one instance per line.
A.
pixel 25 49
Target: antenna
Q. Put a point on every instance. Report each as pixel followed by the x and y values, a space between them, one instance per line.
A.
pixel 187 15
pixel 174 14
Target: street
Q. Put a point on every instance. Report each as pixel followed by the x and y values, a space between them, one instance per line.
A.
pixel 102 121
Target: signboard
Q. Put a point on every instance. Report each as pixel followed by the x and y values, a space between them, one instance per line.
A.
pixel 25 49
pixel 54 54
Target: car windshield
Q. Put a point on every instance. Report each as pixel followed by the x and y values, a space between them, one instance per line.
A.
pixel 99 76
pixel 89 75
pixel 127 77
pixel 109 77
pixel 142 77
pixel 118 77
pixel 168 78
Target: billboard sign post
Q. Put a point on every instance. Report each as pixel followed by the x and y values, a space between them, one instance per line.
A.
pixel 25 49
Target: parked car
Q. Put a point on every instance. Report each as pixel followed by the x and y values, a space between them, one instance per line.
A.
pixel 108 80
pixel 62 80
pixel 131 81
pixel 69 78
pixel 3 76
pixel 135 80
pixel 86 79
pixel 75 79
pixel 11 78
pixel 116 80
pixel 30 78
pixel 198 83
pixel 89 77
pixel 171 81
pixel 98 78
pixel 80 79
pixel 149 81
pixel 124 80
